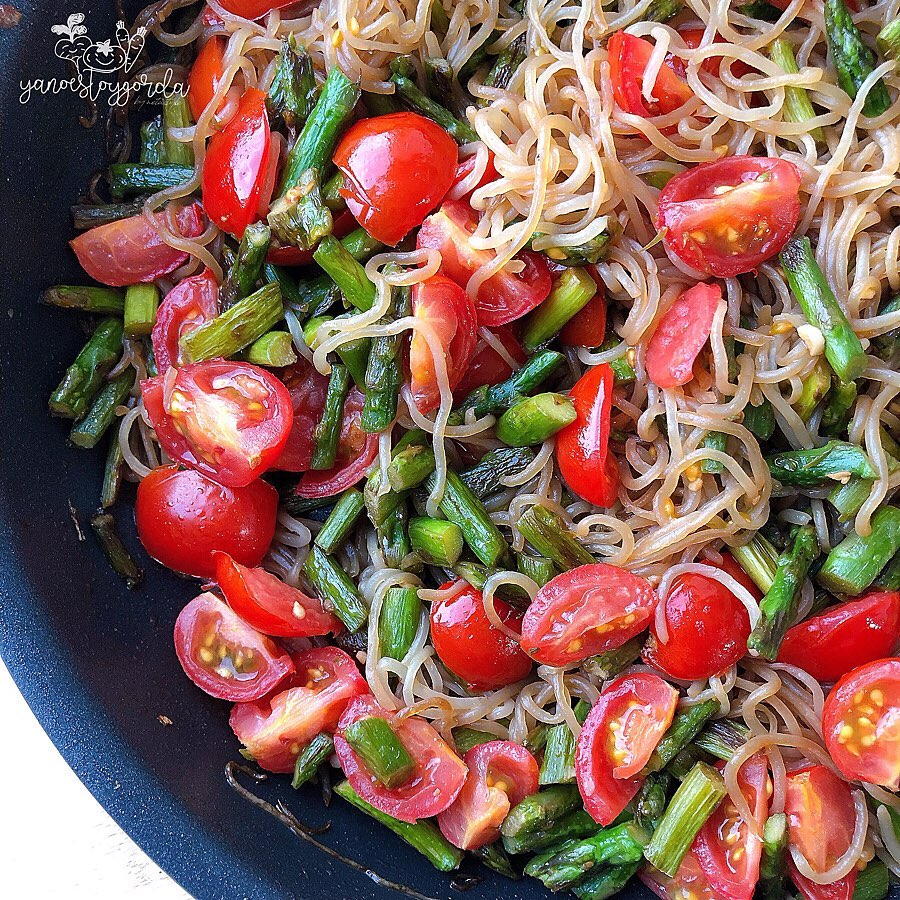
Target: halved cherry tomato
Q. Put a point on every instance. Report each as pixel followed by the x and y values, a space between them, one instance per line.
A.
pixel 270 605
pixel 434 784
pixel 253 9
pixel 845 636
pixel 355 454
pixel 467 167
pixel 206 73
pixel 307 387
pixel 585 611
pixel 397 169
pixel 861 723
pixel 187 306
pixel 619 735
pixel 444 306
pixel 726 217
pixel 681 334
pixel 582 448
pixel 183 518
pixel 712 64
pixel 470 646
pixel 504 297
pixel 690 881
pixel 130 251
pixel 236 188
pixel 229 420
pixel 628 58
pixel 223 655
pixel 587 328
pixel 501 774
pixel 276 728
pixel 488 367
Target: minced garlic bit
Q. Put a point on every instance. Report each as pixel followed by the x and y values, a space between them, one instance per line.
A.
pixel 813 338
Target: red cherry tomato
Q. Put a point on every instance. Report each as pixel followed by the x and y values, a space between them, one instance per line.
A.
pixel 726 217
pixel 628 58
pixel 355 454
pixel 689 881
pixel 435 783
pixel 470 646
pixel 223 655
pixel 504 297
pixel 397 169
pixel 861 723
pixel 501 774
pixel 732 567
pixel 681 334
pixel 236 168
pixel 307 387
pixel 587 328
pixel 130 251
pixel 206 73
pixel 187 306
pixel 845 637
pixel 582 448
pixel 619 735
pixel 270 605
pixel 183 518
pixel 488 367
pixel 444 306
pixel 467 167
pixel 712 64
pixel 229 420
pixel 253 9
pixel 276 728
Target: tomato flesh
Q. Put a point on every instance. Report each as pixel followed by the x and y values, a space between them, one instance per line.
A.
pixel 187 306
pixel 205 75
pixel 587 328
pixel 253 9
pixel 690 881
pixel 488 367
pixel 308 388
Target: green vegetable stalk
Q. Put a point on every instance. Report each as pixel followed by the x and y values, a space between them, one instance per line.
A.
pixel 571 292
pixel 109 301
pixel 534 419
pixel 797 105
pixel 315 754
pixel 328 431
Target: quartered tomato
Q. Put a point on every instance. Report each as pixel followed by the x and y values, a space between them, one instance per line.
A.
pixel 504 297
pixel 355 454
pixel 845 636
pixel 276 728
pixel 443 305
pixel 726 217
pixel 681 334
pixel 501 774
pixel 253 9
pixel 689 882
pixel 130 251
pixel 229 420
pixel 587 328
pixel 223 655
pixel 397 169
pixel 187 306
pixel 692 38
pixel 183 518
pixel 470 646
pixel 582 448
pixel 466 168
pixel 205 75
pixel 433 785
pixel 619 735
pixel 236 183
pixel 270 605
pixel 861 723
pixel 308 388
pixel 488 367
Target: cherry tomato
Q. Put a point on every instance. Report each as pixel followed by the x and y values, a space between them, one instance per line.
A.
pixel 501 773
pixel 470 646
pixel 689 882
pixel 582 448
pixel 187 306
pixel 355 454
pixel 237 166
pixel 681 334
pixel 726 217
pixel 504 297
pixel 253 9
pixel 183 518
pixel 434 784
pixel 229 420
pixel 444 306
pixel 845 636
pixel 397 169
pixel 732 567
pixel 466 168
pixel 223 655
pixel 277 727
pixel 488 367
pixel 130 251
pixel 307 387
pixel 619 735
pixel 270 605
pixel 861 723
pixel 712 64
pixel 587 328
pixel 206 73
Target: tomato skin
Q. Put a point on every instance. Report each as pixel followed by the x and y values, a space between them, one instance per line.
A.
pixel 229 420
pixel 187 306
pixel 207 624
pixel 275 728
pixel 467 167
pixel 712 64
pixel 183 518
pixel 397 169
pixel 641 706
pixel 475 817
pixel 587 328
pixel 435 783
pixel 845 636
pixel 487 367
pixel 253 9
pixel 867 700
pixel 470 646
pixel 689 881
pixel 130 251
pixel 308 388
pixel 761 206
pixel 205 75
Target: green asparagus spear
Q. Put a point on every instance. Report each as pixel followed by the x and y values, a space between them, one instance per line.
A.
pixel 550 536
pixel 274 349
pixel 888 39
pixel 466 738
pixel 104 526
pixel 384 373
pixel 836 415
pixel 91 215
pixel 650 801
pixel 483 479
pixel 836 460
pixel 506 64
pixel 85 299
pixel 494 857
pixel 112 473
pixel 393 538
pixel 153 143
pixel 440 21
pixel 815 386
pixel 341 521
pixel 315 754
pixel 293 92
pixel 723 738
pixel 248 265
pixel 873 882
pixel 349 275
pixel 177 114
pixel 758 559
pixel 684 728
pixel 408 468
pixel 384 755
pixel 885 345
pixel 760 420
pixel 328 431
pixel 610 882
pixel 335 588
pixel 570 294
pixel 714 440
pixel 538 568
pixel 534 419
pixel 462 132
pixel 889 578
pixel 613 662
pixel 797 105
pixel 558 766
pixel 622 366
pixel 141 303
pixel 401 612
pixel 301 218
pixel 589 253
pixel 574 826
pixel 88 431
pixel 530 819
pixel 437 541
pixel 774 854
pixel 131 179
